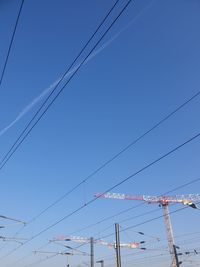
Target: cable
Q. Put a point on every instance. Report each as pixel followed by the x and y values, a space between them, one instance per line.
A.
pixel 147 221
pixel 109 189
pixel 11 41
pixel 56 86
pixel 40 261
pixel 112 158
pixel 139 205
pixel 6 157
pixel 81 64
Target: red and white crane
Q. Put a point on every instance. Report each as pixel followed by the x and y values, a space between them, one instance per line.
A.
pixel 79 239
pixel 163 201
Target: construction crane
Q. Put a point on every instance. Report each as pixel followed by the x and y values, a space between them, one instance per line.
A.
pixel 164 202
pixel 78 239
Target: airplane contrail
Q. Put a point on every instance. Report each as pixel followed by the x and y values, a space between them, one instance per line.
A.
pixel 37 99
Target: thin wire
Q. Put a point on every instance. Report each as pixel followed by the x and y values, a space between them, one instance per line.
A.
pixel 40 261
pixel 28 255
pixel 112 158
pixel 81 64
pixel 141 204
pixel 109 189
pixel 108 162
pixel 6 158
pixel 148 221
pixel 55 87
pixel 11 42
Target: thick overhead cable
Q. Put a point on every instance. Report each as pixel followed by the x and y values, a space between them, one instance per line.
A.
pixel 114 157
pixel 147 221
pixel 109 189
pixel 11 42
pixel 15 145
pixel 7 157
pixel 80 65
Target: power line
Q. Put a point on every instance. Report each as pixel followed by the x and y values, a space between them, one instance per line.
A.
pixel 109 189
pixel 112 158
pixel 116 155
pixel 147 221
pixel 134 207
pixel 15 146
pixel 42 260
pixel 80 65
pixel 11 42
pixel 46 100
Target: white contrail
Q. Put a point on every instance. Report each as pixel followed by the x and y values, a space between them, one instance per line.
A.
pixel 28 107
pixel 51 87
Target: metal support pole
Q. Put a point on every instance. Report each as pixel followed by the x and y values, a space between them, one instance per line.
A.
pixel 102 262
pixel 118 255
pixel 176 256
pixel 91 252
pixel 170 237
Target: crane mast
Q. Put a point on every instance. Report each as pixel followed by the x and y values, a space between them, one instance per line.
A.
pixel 169 232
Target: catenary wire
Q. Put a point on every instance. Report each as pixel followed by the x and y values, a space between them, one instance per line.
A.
pixel 11 42
pixel 177 237
pixel 113 158
pixel 147 221
pixel 4 159
pixel 54 89
pixel 62 88
pixel 116 155
pixel 109 189
pixel 91 51
pixel 134 207
pixel 120 152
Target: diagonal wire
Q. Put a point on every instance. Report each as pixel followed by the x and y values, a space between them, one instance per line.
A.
pixel 54 89
pixel 113 157
pixel 109 189
pixel 11 42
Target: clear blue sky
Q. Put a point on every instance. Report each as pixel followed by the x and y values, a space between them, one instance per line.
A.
pixel 140 77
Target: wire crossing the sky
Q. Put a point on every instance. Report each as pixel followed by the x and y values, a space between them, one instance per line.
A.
pixel 16 144
pixel 7 156
pixel 11 42
pixel 133 175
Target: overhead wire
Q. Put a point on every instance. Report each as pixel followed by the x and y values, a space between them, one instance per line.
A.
pixel 15 145
pixel 109 189
pixel 66 83
pixel 11 42
pixel 133 254
pixel 148 221
pixel 118 185
pixel 112 158
pixel 48 97
pixel 108 162
pixel 134 207
pixel 116 155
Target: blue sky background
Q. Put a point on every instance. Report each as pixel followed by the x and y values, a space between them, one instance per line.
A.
pixel 140 77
